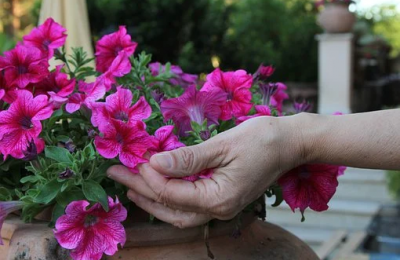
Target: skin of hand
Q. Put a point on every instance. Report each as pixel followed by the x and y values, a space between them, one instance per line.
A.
pixel 251 156
pixel 364 140
pixel 245 160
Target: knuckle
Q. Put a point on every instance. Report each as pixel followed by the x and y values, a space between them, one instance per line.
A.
pixel 187 158
pixel 178 224
pixel 162 195
pixel 225 209
pixel 221 210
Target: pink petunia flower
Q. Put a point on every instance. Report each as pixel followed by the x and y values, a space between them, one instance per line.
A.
pixel 341 170
pixel 89 93
pixel 109 46
pixel 23 65
pixel 7 92
pixel 46 37
pixel 119 67
pixel 193 106
pixel 263 72
pixel 6 207
pixel 279 96
pixel 91 232
pixel 180 78
pixel 129 141
pixel 261 111
pixel 57 86
pixel 166 140
pixel 118 106
pixel 20 124
pixel 310 185
pixel 236 84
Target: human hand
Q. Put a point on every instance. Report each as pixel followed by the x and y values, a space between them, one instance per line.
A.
pixel 246 161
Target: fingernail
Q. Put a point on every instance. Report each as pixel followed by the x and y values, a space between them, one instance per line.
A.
pixel 110 175
pixel 164 160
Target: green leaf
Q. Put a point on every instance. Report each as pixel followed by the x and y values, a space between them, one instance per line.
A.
pixel 204 125
pixel 153 115
pixel 278 196
pixel 89 152
pixel 5 194
pixel 32 193
pixel 48 192
pixel 100 172
pixel 5 166
pixel 66 197
pixel 195 126
pixel 30 178
pixel 95 193
pixel 18 193
pixel 63 138
pixel 65 186
pixel 57 113
pixel 58 154
pixel 29 211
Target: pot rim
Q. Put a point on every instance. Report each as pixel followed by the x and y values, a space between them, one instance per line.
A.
pixel 147 234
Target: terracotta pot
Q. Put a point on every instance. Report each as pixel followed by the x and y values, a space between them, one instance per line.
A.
pixel 258 240
pixel 336 18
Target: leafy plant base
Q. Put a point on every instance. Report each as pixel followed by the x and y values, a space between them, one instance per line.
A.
pixel 258 240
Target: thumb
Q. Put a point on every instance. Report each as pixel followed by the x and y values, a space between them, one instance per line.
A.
pixel 186 161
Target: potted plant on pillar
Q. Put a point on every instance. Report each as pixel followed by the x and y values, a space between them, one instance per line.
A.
pixel 335 16
pixel 59 134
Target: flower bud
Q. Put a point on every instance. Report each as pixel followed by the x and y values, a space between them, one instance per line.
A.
pixel 30 153
pixel 263 72
pixel 302 107
pixel 68 173
pixel 267 90
pixel 58 54
pixel 92 133
pixel 205 135
pixel 158 96
pixel 70 146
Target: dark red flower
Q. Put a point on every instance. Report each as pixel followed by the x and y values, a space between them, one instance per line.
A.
pixel 310 185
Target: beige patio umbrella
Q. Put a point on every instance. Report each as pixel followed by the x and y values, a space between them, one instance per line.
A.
pixel 73 15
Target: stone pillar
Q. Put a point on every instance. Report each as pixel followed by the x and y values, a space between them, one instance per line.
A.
pixel 335 73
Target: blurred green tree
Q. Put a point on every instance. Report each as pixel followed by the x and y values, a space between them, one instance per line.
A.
pixel 181 31
pixel 385 21
pixel 199 35
pixel 274 32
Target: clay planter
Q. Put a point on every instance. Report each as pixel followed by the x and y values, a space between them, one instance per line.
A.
pixel 258 240
pixel 336 18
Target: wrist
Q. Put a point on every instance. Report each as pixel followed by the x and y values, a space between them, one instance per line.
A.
pixel 309 130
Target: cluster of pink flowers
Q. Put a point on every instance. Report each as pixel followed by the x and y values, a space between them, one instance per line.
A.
pixel 120 120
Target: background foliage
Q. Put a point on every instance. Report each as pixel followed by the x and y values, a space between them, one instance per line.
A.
pixel 393 178
pixel 202 34
pixel 232 34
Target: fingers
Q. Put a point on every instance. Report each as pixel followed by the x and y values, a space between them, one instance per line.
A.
pixel 137 183
pixel 187 161
pixel 180 194
pixel 175 217
pixel 123 175
pixel 203 196
pixel 187 197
